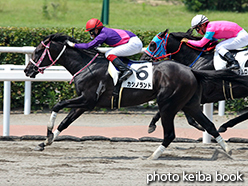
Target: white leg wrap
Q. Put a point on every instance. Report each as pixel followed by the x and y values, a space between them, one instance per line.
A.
pixel 52 120
pixel 55 134
pixel 222 143
pixel 157 153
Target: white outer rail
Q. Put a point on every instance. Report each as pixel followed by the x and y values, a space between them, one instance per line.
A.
pixel 10 73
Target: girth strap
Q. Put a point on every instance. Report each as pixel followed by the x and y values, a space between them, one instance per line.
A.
pixel 227 90
pixel 116 96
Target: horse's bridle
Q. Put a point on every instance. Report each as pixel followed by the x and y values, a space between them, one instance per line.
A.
pixel 165 47
pixel 46 51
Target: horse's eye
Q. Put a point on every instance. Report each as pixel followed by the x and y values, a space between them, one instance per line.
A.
pixel 152 46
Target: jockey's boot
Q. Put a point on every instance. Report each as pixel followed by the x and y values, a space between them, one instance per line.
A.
pixel 125 70
pixel 232 63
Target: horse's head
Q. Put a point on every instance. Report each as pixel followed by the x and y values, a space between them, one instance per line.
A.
pixel 46 54
pixel 156 41
pixel 156 47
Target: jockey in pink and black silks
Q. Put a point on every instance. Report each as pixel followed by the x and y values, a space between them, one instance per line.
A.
pixel 124 43
pixel 234 37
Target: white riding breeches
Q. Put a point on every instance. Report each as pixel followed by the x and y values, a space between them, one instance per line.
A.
pixel 133 46
pixel 241 40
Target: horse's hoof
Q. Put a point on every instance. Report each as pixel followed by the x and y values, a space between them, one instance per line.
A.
pixel 222 129
pixel 227 150
pixel 40 147
pixel 151 128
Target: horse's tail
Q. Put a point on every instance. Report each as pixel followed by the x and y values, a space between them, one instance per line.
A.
pixel 215 76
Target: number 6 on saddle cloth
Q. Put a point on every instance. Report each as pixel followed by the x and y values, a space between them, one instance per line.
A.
pixel 140 79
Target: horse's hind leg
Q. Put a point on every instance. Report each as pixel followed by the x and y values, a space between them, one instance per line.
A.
pixel 231 123
pixel 152 125
pixel 198 115
pixel 193 123
pixel 72 116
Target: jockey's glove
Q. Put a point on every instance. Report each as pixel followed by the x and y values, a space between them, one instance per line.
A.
pixel 69 43
pixel 185 40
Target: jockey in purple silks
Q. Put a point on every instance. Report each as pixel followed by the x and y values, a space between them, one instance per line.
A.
pixel 124 43
pixel 234 35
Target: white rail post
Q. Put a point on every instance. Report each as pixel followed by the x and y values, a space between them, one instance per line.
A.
pixel 6 105
pixel 208 111
pixel 221 108
pixel 27 96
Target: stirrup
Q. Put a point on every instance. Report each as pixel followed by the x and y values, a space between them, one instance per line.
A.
pixel 126 75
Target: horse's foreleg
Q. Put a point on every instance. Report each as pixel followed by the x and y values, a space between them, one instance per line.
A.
pixel 78 102
pixel 72 116
pixel 50 126
pixel 50 135
pixel 152 125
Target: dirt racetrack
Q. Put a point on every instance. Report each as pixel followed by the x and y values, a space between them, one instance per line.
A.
pixel 120 163
pixel 83 161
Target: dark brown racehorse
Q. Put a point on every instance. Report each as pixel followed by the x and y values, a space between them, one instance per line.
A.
pixel 175 87
pixel 197 58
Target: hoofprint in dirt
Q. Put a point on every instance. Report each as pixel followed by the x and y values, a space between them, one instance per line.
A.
pixel 120 163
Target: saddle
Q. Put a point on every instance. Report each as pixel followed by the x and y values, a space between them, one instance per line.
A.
pixel 140 79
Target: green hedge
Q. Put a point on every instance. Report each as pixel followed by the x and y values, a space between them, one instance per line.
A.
pixel 44 94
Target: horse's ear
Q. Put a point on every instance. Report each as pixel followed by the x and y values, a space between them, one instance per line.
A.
pixel 47 40
pixel 189 31
pixel 56 35
pixel 162 34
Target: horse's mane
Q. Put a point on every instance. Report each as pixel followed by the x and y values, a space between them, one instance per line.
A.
pixel 187 34
pixel 62 38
